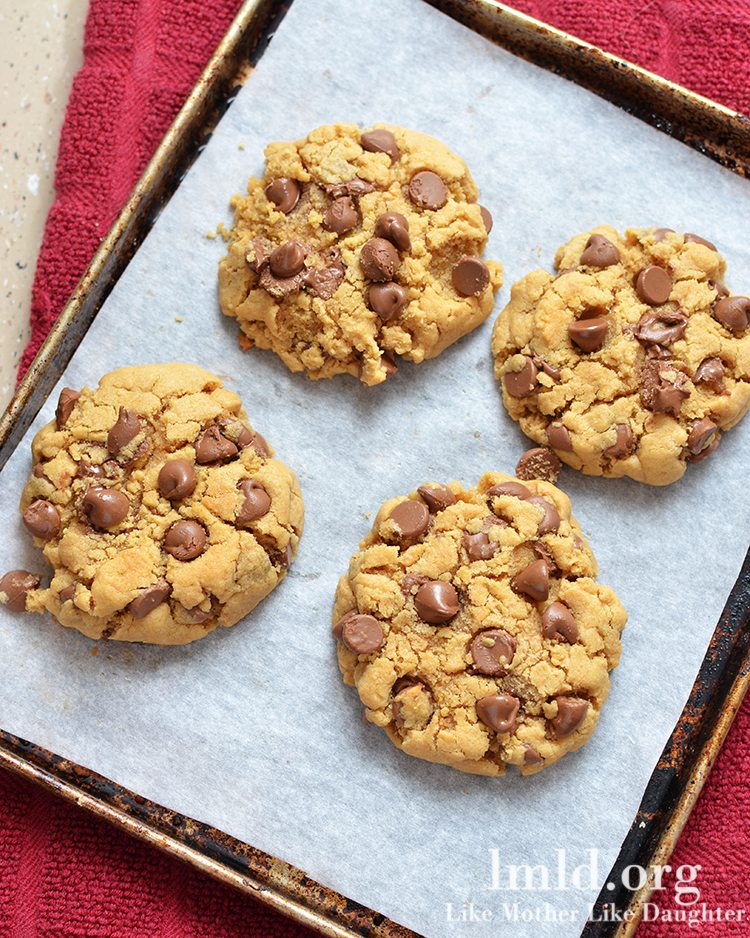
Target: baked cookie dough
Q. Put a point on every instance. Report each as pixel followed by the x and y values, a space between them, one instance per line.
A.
pixel 356 248
pixel 633 359
pixel 473 628
pixel 159 508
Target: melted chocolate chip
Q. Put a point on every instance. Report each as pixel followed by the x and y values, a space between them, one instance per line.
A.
pixel 662 327
pixel 711 373
pixel 499 712
pixel 588 334
pixel 287 260
pixel 571 712
pixel 437 497
pixel 599 252
pixel 427 190
pixel 212 446
pixel 126 429
pixel 380 141
pixel 354 187
pixel 256 502
pixel 341 215
pixel 492 651
pixel 387 300
pixel 533 581
pixel 42 520
pixel 663 388
pixel 104 508
pixel 558 624
pixel 550 519
pixel 520 384
pixel 539 463
pixel 379 260
pixel 177 479
pixel 284 193
pixel 733 312
pixel 148 599
pixel 479 546
pixel 394 228
pixel 653 285
pixel 15 587
pixel 701 436
pixel 558 437
pixel 65 404
pixel 624 443
pixel 470 276
pixel 185 540
pixel 436 602
pixel 325 281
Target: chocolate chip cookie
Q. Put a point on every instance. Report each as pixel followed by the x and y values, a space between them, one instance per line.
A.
pixel 473 628
pixel 632 359
pixel 159 508
pixel 355 248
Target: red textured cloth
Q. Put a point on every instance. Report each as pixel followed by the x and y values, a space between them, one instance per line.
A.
pixel 65 874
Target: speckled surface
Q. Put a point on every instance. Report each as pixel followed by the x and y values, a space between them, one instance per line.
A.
pixel 42 50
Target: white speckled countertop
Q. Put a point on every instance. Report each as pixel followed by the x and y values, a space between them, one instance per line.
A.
pixel 42 50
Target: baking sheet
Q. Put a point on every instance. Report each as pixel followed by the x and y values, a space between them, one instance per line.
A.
pixel 251 730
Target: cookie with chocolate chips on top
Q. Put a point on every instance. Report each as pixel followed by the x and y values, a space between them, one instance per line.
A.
pixel 357 248
pixel 473 628
pixel 162 513
pixel 631 360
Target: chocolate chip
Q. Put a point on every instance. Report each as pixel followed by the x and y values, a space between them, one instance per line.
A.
pixel 696 239
pixel 177 479
pixel 67 594
pixel 701 436
pixel 394 227
pixel 148 599
pixel 413 703
pixel 571 712
pixel 42 519
pixel 499 712
pixel 325 281
pixel 721 288
pixel 479 546
pixel 427 190
pixel 341 215
pixel 437 497
pixel 65 404
pixel 492 651
pixel 653 285
pixel 515 489
pixel 548 369
pixel 662 327
pixel 185 540
pixel 260 445
pixel 589 334
pixel 705 453
pixel 412 518
pixel 212 446
pixel 733 312
pixel 486 218
pixel 539 463
pixel 531 756
pixel 533 581
pixel 663 388
pixel 104 508
pixel 85 470
pixel 16 585
pixel 388 363
pixel 284 193
pixel 197 615
pixel 470 276
pixel 126 429
pixel 436 602
pixel 558 437
pixel 387 300
pixel 599 252
pixel 354 187
pixel 379 259
pixel 711 373
pixel 521 383
pixel 287 260
pixel 550 519
pixel 411 580
pixel 624 442
pixel 660 234
pixel 256 504
pixel 558 624
pixel 380 141
pixel 362 634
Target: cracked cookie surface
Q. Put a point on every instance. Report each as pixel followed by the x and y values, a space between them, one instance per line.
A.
pixel 160 510
pixel 633 359
pixel 356 248
pixel 473 628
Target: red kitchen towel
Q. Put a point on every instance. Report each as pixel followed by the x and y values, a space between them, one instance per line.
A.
pixel 65 874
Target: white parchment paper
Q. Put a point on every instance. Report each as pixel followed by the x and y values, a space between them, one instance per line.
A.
pixel 252 730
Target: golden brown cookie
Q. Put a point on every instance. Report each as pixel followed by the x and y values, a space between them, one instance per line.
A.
pixel 356 248
pixel 633 359
pixel 473 628
pixel 158 507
